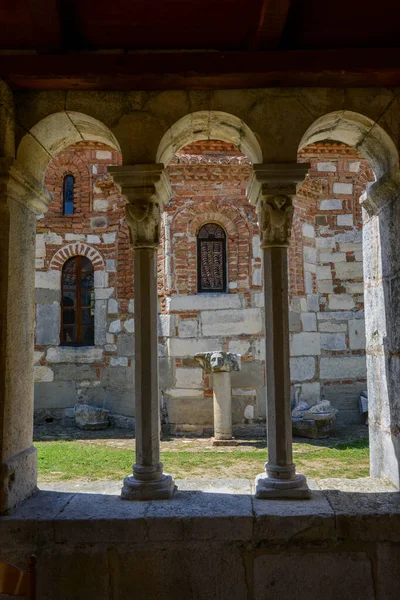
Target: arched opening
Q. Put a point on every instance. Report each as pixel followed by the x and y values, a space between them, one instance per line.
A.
pixel 68 194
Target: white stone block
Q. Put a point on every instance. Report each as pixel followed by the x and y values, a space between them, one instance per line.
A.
pixel 243 392
pixel 324 273
pixel 233 285
pixel 256 246
pixel 329 167
pixel 110 265
pixel 256 277
pixel 110 338
pixel 355 288
pixel 305 344
pixel 74 237
pixel 325 242
pixel 115 326
pixel 231 322
pixel 357 334
pixel 119 361
pixel 39 263
pixel 37 356
pixel 70 354
pixel 308 282
pixel 341 315
pixel 93 239
pixel 325 287
pixel 341 302
pixel 188 378
pixel 310 254
pixel 49 280
pixel 100 279
pixel 131 306
pixel 112 306
pixel 331 326
pixel 333 204
pixel 333 341
pixel 101 205
pixel 103 293
pixel 109 238
pixel 346 220
pixel 332 257
pixel 310 267
pixel 188 328
pixel 104 155
pixel 349 270
pixel 302 368
pixel 187 303
pixel 311 392
pixel 42 374
pixel 184 393
pixel 308 230
pixel 241 347
pixel 346 367
pixel 110 347
pixel 354 167
pixel 187 347
pixel 258 299
pixel 309 321
pixel 53 238
pixel 343 188
pixel 166 325
pixel 129 325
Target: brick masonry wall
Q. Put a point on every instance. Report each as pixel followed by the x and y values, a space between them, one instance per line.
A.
pixel 209 182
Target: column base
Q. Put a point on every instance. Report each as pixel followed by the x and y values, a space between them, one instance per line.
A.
pixel 18 479
pixel 228 442
pixel 269 488
pixel 160 489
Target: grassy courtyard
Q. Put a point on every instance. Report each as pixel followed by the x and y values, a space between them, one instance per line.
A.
pixel 111 459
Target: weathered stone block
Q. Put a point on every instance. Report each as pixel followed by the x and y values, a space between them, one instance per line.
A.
pixel 76 372
pixel 91 417
pixel 333 341
pixel 47 324
pixel 324 273
pixel 330 205
pixel 190 346
pixel 166 325
pixel 357 334
pixel 100 321
pixel 332 326
pixel 42 374
pixel 231 322
pixel 251 375
pixel 43 296
pixel 308 230
pixel 49 280
pixel 126 345
pixel 203 302
pixel 129 325
pixel 326 166
pixel 343 188
pixel 305 344
pixel 351 270
pixel 119 361
pixel 347 367
pixel 341 302
pixel 309 321
pixel 302 368
pixel 345 220
pixel 70 354
pixel 189 378
pixel 60 394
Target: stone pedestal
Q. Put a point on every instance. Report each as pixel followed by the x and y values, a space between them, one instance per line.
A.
pixel 146 189
pixel 21 199
pixel 220 364
pixel 272 189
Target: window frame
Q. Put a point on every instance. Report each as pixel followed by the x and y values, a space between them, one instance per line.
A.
pixel 68 176
pixel 200 289
pixel 78 309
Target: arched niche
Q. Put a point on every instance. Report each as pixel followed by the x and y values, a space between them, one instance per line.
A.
pixel 358 131
pixel 209 125
pixel 54 133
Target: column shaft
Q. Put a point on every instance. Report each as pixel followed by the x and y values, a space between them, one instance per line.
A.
pixel 222 398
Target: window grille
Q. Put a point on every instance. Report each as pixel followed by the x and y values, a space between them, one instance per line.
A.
pixel 77 303
pixel 68 195
pixel 211 259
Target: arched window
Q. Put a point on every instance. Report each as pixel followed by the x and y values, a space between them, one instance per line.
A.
pixel 77 304
pixel 68 195
pixel 211 258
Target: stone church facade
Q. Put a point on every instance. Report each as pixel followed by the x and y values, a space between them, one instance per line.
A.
pixel 210 295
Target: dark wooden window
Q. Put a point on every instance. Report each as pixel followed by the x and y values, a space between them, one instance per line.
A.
pixel 77 304
pixel 68 195
pixel 211 258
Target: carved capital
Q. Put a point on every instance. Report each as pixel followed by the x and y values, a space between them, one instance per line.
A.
pixel 219 362
pixel 146 189
pixel 19 185
pixel 272 188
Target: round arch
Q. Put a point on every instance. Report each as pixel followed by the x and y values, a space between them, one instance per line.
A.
pixel 54 133
pixel 359 132
pixel 208 125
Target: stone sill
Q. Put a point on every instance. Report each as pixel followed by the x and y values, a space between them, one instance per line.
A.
pixel 330 516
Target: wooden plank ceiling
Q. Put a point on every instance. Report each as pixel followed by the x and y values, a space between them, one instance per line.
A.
pixel 198 44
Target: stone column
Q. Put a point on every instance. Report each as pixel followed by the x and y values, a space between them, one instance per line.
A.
pixel 220 364
pixel 21 199
pixel 146 189
pixel 272 188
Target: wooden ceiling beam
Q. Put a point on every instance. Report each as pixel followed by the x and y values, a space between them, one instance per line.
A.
pixel 46 24
pixel 270 24
pixel 202 70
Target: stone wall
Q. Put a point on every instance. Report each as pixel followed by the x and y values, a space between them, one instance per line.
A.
pixel 209 183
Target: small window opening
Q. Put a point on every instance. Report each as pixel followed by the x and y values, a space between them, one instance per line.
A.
pixel 77 306
pixel 211 259
pixel 68 195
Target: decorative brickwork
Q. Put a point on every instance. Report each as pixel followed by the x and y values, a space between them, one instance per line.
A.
pixel 78 248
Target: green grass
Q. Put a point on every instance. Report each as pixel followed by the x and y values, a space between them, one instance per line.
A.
pixel 74 460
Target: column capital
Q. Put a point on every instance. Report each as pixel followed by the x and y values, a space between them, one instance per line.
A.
pixel 219 362
pixel 18 184
pixel 271 189
pixel 381 192
pixel 146 189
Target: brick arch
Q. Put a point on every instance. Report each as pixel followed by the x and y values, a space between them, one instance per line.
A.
pixel 77 249
pixel 69 162
pixel 184 248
